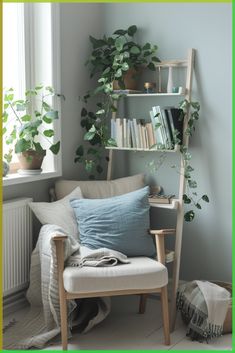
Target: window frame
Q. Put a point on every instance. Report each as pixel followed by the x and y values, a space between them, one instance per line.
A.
pixel 15 178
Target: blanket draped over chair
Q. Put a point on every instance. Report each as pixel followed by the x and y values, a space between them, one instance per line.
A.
pixel 42 322
pixel 204 306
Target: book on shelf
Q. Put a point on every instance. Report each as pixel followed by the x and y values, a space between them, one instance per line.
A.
pixel 119 132
pixel 156 128
pixel 166 199
pixel 175 121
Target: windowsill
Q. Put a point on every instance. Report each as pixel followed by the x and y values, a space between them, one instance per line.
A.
pixel 14 179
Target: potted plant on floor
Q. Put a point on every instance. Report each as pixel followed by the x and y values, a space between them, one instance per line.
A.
pixel 26 123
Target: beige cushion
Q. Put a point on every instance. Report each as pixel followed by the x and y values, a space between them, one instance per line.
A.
pixel 100 189
pixel 58 212
pixel 141 273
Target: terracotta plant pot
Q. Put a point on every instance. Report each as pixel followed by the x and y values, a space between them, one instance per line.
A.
pixel 130 80
pixel 31 160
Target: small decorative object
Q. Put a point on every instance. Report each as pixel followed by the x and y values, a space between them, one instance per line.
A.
pixel 180 90
pixel 5 168
pixel 149 87
pixel 170 80
pixel 175 89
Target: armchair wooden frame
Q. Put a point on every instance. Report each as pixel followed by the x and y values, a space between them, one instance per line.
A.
pixel 64 295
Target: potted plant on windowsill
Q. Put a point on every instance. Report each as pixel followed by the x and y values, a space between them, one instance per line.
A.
pixel 26 123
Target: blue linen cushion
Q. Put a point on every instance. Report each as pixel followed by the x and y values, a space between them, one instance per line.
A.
pixel 120 223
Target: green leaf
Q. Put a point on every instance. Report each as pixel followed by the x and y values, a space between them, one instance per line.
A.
pixel 155 59
pixel 186 199
pixel 37 113
pixel 147 46
pixel 100 112
pixel 106 71
pixel 39 87
pixel 52 114
pixel 189 216
pixel 120 32
pixel 55 148
pixel 189 168
pixel 48 133
pixel 4 130
pixel 151 66
pixel 92 151
pixel 38 146
pixel 132 30
pixel 46 106
pixel 20 107
pixel 192 184
pixel 119 42
pixel 6 105
pixel 135 50
pixel 118 73
pixel 198 206
pixel 80 151
pixel 112 142
pixel 46 119
pixel 22 145
pixel 26 117
pixel 125 67
pixel 4 117
pixel 89 164
pixel 205 198
pixel 50 89
pixel 9 97
pixel 83 112
pixel 89 135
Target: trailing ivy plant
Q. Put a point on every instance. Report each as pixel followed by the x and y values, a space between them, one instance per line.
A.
pixel 110 59
pixel 190 196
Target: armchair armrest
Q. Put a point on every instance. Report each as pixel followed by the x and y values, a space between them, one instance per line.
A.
pixel 162 232
pixel 59 244
pixel 160 242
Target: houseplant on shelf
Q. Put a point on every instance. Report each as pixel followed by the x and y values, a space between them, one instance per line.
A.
pixel 115 61
pixel 25 121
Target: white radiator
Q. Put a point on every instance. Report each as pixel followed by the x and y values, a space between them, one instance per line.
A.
pixel 17 244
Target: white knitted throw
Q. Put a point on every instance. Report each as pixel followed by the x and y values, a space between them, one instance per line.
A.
pixel 42 323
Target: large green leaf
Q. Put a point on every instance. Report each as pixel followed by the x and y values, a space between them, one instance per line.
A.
pixel 119 42
pixel 26 117
pixel 52 114
pixel 80 151
pixel 189 216
pixel 89 135
pixel 49 133
pixel 22 145
pixel 135 50
pixel 46 119
pixel 132 30
pixel 55 148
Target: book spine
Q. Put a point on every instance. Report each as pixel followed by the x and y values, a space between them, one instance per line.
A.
pixel 119 132
pixel 136 133
pixel 132 132
pixel 156 130
pixel 158 118
pixel 124 125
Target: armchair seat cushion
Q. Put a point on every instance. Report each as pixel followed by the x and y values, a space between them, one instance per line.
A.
pixel 140 273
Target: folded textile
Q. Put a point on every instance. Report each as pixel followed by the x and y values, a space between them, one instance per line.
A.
pixel 204 305
pixel 99 257
pixel 42 322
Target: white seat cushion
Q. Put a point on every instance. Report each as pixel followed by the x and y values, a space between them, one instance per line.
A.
pixel 141 273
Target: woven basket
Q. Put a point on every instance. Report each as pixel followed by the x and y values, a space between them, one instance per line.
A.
pixel 228 319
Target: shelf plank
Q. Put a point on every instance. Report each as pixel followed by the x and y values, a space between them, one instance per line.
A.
pixel 165 94
pixel 176 149
pixel 170 206
pixel 171 63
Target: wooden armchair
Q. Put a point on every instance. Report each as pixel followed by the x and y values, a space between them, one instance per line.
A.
pixel 142 276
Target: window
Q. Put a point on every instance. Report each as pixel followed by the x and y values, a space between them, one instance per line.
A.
pixel 30 57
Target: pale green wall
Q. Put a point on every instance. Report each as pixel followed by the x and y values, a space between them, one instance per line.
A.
pixel 175 28
pixel 207 28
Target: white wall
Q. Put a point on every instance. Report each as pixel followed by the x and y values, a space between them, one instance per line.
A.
pixel 207 28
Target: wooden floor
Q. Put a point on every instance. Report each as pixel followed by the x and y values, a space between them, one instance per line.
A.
pixel 124 329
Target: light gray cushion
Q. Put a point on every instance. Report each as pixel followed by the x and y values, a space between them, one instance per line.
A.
pixel 140 273
pixel 59 212
pixel 119 223
pixel 100 189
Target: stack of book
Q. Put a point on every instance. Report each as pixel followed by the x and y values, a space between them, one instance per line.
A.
pixel 161 198
pixel 166 124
